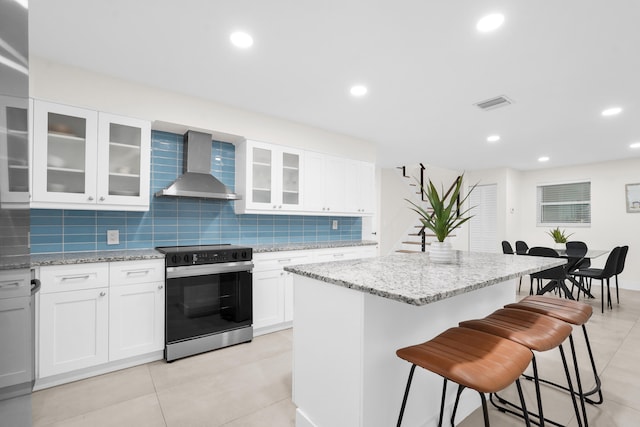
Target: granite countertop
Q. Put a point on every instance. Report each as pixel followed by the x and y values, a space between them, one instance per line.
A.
pixel 142 254
pixel 414 279
pixel 94 256
pixel 279 247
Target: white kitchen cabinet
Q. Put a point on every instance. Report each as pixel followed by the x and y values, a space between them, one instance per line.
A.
pixel 136 308
pixel 96 313
pixel 325 190
pixel 83 159
pixel 14 152
pixel 16 363
pixel 360 187
pixel 269 178
pixel 74 317
pixel 273 289
pixel 268 299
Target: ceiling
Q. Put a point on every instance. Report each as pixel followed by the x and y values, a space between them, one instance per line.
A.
pixel 423 61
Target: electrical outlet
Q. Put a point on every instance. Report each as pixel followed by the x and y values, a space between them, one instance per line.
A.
pixel 113 237
pixel 334 224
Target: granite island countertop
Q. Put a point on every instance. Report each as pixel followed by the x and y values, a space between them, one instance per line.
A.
pixel 414 279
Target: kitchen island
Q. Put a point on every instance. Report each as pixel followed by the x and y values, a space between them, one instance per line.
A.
pixel 351 316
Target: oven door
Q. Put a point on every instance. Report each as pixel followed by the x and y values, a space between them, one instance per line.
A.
pixel 207 299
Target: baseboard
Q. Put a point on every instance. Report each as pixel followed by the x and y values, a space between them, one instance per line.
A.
pixel 81 374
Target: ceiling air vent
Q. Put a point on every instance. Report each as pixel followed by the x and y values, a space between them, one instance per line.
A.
pixel 497 102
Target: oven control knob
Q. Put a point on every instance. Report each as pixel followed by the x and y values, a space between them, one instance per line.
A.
pixel 174 260
pixel 244 255
pixel 234 255
pixel 187 259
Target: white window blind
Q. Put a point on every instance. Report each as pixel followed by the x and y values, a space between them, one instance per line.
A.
pixel 483 236
pixel 564 204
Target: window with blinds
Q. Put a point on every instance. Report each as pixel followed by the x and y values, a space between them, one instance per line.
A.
pixel 561 204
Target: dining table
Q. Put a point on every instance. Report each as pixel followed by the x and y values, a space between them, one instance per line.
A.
pixel 572 260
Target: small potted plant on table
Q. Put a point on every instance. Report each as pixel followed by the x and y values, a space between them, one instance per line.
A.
pixel 559 237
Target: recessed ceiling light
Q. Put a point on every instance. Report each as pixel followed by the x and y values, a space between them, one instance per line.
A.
pixel 635 145
pixel 490 22
pixel 612 111
pixel 543 159
pixel 241 40
pixel 493 138
pixel 358 90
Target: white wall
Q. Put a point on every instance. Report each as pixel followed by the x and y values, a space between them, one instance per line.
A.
pixel 74 86
pixel 610 226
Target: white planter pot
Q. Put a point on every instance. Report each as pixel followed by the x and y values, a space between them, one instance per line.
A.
pixel 440 252
pixel 558 246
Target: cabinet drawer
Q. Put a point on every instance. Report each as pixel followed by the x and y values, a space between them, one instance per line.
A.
pixel 276 260
pixel 61 278
pixel 124 273
pixel 14 284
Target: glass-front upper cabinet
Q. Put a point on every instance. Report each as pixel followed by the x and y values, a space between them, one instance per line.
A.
pixel 268 177
pixel 124 173
pixel 14 151
pixel 89 160
pixel 64 153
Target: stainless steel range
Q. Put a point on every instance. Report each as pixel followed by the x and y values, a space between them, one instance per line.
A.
pixel 208 298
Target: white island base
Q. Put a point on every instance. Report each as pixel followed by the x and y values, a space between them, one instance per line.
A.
pixel 345 370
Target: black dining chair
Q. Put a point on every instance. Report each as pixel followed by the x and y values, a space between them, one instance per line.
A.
pixel 507 248
pixel 577 249
pixel 621 260
pixel 602 274
pixel 521 247
pixel 555 275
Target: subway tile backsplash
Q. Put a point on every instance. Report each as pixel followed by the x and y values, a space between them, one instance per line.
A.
pixel 180 221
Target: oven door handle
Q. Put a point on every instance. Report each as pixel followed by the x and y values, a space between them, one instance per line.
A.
pixel 205 269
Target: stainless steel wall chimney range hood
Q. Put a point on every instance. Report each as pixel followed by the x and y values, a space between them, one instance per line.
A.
pixel 197 181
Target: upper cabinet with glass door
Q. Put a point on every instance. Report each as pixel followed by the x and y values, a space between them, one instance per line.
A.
pixel 123 179
pixel 268 177
pixel 14 152
pixel 88 160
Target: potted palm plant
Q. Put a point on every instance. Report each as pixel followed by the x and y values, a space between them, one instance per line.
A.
pixel 443 217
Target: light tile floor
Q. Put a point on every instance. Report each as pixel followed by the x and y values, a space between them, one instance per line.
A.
pixel 250 385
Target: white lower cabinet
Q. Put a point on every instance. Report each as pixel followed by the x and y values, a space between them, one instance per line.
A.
pixel 74 330
pixel 273 287
pixel 268 298
pixel 92 314
pixel 136 320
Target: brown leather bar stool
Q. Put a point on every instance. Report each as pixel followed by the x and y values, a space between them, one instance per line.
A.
pixel 534 331
pixel 575 313
pixel 473 359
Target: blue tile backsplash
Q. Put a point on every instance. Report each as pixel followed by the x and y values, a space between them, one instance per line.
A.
pixel 180 221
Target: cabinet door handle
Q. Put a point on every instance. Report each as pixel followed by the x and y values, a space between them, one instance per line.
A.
pixel 338 255
pixel 101 198
pixel 103 293
pixel 90 198
pixel 284 260
pixel 136 272
pixel 6 285
pixel 83 277
pixel 160 287
pixel 280 207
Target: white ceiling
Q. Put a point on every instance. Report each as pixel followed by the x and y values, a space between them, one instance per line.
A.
pixel 561 62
